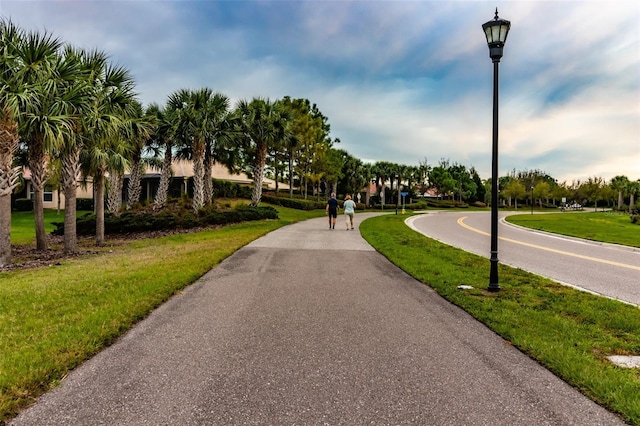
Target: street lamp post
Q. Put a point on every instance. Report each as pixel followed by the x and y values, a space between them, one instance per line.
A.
pixel 531 199
pixel 496 32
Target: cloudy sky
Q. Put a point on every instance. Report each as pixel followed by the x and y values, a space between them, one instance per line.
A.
pixel 400 81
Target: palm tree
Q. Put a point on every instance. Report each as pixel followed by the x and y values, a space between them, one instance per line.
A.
pixel 162 143
pixel 262 124
pixel 217 135
pixel 634 188
pixel 199 117
pixel 111 105
pixel 619 184
pixel 13 94
pixel 45 122
pixel 138 134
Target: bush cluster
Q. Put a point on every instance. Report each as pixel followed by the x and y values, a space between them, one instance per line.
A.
pixel 299 204
pixel 84 204
pixel 635 218
pixel 446 204
pixel 226 189
pixel 144 221
pixel 24 204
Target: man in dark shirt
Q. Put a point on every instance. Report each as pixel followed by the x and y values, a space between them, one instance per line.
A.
pixel 332 211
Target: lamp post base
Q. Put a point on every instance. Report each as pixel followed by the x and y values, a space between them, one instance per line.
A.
pixel 493 277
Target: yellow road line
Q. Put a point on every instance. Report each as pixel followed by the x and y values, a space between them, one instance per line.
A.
pixel 566 253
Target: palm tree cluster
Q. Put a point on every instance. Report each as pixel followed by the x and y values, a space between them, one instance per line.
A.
pixel 74 116
pixel 73 113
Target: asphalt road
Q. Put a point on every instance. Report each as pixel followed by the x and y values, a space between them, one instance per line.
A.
pixel 604 269
pixel 311 326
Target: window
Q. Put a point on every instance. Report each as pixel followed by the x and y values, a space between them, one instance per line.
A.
pixel 48 194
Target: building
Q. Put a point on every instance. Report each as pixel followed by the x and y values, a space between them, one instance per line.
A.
pixel 181 182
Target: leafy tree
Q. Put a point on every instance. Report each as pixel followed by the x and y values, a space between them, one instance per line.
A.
pixel 441 179
pixel 591 190
pixel 514 190
pixel 262 123
pixel 562 191
pixel 333 166
pixel 480 189
pixel 541 190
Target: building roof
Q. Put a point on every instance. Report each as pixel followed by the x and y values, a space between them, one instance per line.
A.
pixel 184 169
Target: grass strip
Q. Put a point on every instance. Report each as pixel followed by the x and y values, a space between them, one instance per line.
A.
pixel 608 227
pixel 54 318
pixel 22 225
pixel 567 331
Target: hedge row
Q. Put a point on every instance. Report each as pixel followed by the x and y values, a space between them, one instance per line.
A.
pixel 299 204
pixel 226 189
pixel 142 222
pixel 26 204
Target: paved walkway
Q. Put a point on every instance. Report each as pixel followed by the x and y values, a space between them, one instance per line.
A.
pixel 311 326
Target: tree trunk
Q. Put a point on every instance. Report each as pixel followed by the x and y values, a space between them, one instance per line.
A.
pixel 36 165
pixel 114 193
pixel 8 180
pixel 70 171
pixel 5 228
pixel 134 187
pixel 258 175
pixel 70 233
pixel 198 177
pixel 620 200
pixel 163 188
pixel 98 186
pixel 207 184
pixel 290 175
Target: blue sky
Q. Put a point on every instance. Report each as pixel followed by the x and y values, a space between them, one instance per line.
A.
pixel 399 81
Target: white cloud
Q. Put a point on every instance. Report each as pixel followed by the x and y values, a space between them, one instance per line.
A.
pixel 399 81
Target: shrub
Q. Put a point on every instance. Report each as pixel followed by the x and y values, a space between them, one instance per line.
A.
pixel 84 204
pixel 179 218
pixel 635 218
pixel 226 189
pixel 299 204
pixel 24 204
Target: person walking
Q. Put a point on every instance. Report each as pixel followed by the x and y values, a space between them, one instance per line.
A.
pixel 332 210
pixel 349 210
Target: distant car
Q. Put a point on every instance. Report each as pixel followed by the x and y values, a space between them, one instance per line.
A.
pixel 575 206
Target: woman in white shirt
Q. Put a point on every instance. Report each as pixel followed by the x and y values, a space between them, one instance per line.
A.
pixel 349 210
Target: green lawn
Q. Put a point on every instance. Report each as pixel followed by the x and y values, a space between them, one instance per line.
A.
pixel 607 227
pixel 22 227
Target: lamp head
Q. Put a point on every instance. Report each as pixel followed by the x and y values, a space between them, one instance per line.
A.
pixel 496 32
